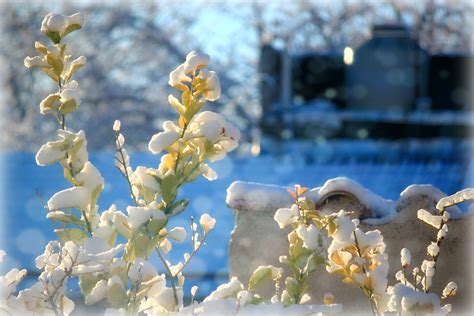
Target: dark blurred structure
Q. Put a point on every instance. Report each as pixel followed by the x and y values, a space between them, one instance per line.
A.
pixel 319 77
pixel 388 87
pixel 389 70
pixel 448 83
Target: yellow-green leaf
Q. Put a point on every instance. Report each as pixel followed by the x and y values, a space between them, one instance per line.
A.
pixel 57 64
pixel 87 282
pixel 51 102
pixel 51 74
pixel 155 225
pixel 61 217
pixel 95 195
pixel 176 105
pixel 41 48
pixel 169 185
pixel 68 106
pixel 71 28
pixel 54 36
pixel 138 246
pixel 70 234
pixel 117 296
pixel 186 98
pixel 76 147
pixel 121 272
pixel 193 108
pixel 258 277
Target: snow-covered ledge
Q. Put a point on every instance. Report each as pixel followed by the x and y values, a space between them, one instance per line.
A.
pixel 257 240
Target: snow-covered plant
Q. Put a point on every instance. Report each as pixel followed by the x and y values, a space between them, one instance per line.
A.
pixel 360 258
pixel 307 245
pixel 110 251
pixel 412 295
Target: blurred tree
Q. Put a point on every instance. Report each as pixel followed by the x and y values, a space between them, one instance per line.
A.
pixel 139 43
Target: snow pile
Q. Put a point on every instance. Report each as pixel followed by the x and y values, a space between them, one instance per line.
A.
pixel 254 196
pixel 76 197
pixel 230 306
pixel 407 300
pixel 286 216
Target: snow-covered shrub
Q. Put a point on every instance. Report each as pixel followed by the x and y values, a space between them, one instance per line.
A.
pixel 109 251
pixel 335 241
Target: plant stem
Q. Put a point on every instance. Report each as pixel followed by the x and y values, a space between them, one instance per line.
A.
pixel 172 280
pixel 63 122
pixel 192 254
pixel 369 293
pixel 125 171
pixel 89 228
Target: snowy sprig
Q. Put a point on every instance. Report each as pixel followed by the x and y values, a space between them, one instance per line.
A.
pixel 307 245
pixel 360 258
pixel 88 245
pixel 336 241
pixel 185 147
pixel 413 296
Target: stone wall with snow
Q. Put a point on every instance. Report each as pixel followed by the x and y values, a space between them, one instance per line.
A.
pixel 257 240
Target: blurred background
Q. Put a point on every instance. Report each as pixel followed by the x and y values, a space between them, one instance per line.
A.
pixel 378 91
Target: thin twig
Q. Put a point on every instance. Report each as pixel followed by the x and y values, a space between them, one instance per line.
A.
pixel 125 169
pixel 165 264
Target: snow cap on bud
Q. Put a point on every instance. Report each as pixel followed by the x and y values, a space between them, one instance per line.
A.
pixel 56 26
pixel 442 232
pixel 178 234
pixel 405 257
pixel 287 216
pixel 117 125
pixel 2 255
pixel 194 290
pixel 450 289
pixel 433 249
pixel 207 222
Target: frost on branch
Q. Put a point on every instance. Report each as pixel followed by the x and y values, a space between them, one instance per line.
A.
pixel 459 197
pixel 430 219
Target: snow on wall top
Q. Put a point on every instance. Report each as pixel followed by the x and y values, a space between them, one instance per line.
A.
pixel 378 206
pixel 254 197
